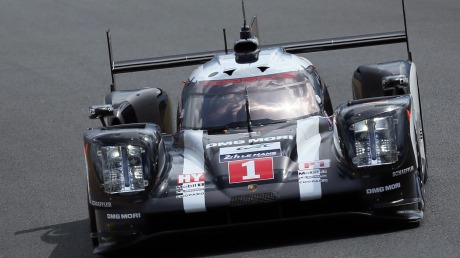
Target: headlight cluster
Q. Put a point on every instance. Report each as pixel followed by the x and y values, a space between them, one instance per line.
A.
pixel 122 169
pixel 375 141
pixel 375 132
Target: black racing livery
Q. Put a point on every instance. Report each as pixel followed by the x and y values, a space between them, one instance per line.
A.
pixel 255 139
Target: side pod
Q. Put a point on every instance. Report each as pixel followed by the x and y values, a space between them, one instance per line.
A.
pixel 395 78
pixel 147 105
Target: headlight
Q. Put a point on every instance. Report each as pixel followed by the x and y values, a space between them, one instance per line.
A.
pixel 374 133
pixel 375 141
pixel 123 169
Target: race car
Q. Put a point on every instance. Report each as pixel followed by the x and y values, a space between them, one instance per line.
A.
pixel 255 140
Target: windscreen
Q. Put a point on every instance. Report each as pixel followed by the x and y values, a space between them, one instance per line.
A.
pixel 225 104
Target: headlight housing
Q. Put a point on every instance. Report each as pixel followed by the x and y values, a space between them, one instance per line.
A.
pixel 373 133
pixel 122 169
pixel 124 160
pixel 375 141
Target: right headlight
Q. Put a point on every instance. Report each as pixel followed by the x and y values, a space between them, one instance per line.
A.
pixel 123 169
pixel 375 141
pixel 124 160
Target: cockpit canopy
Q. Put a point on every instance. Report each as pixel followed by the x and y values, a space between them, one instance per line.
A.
pixel 274 98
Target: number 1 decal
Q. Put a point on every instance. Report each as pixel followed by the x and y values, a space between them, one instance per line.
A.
pixel 250 170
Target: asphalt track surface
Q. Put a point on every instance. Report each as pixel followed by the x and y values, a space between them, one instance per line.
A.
pixel 54 64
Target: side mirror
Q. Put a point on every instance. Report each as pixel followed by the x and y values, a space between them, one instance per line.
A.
pixel 395 84
pixel 101 111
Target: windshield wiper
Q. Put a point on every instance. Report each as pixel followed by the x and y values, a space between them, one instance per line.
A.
pixel 248 114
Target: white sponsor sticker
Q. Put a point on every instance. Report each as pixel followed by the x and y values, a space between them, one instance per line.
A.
pixel 308 143
pixel 315 164
pixel 192 177
pixel 250 141
pixel 251 148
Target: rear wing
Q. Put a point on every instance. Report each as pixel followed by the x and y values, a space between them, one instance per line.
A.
pixel 147 64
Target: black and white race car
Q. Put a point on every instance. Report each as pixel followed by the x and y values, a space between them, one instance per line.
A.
pixel 256 139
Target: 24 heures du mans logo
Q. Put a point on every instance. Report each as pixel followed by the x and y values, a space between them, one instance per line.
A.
pixel 261 150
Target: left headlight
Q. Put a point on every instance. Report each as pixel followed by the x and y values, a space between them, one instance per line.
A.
pixel 375 141
pixel 374 133
pixel 122 169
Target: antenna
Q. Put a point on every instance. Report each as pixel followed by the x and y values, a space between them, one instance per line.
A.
pixel 244 13
pixel 225 42
pixel 245 32
pixel 255 27
pixel 409 54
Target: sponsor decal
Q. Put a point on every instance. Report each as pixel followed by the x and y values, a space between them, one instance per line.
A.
pixel 250 141
pixel 229 157
pixel 261 150
pixel 250 170
pixel 383 188
pixel 190 178
pixel 189 189
pixel 192 193
pixel 313 176
pixel 312 170
pixel 403 171
pixel 123 216
pixel 186 187
pixel 313 180
pixel 101 204
pixel 190 185
pixel 315 164
pixel 313 173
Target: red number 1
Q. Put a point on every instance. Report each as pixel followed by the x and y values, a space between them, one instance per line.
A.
pixel 250 170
